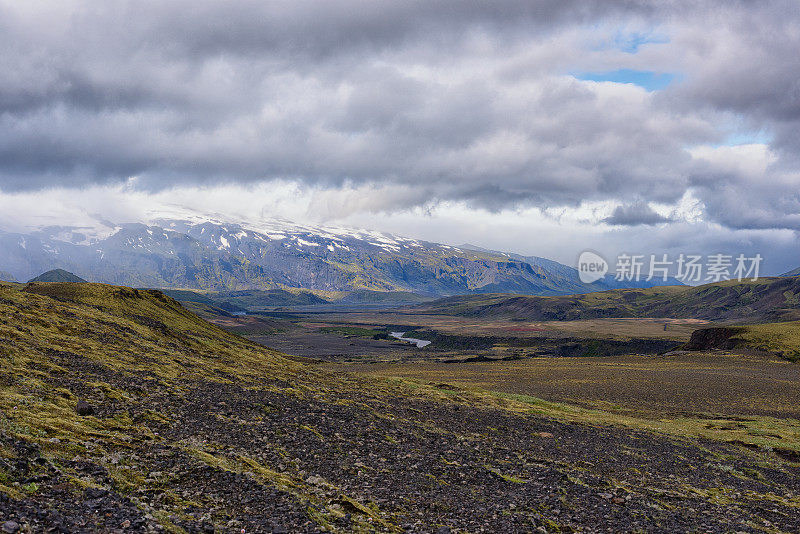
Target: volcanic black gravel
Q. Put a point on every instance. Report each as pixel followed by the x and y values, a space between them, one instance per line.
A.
pixel 349 459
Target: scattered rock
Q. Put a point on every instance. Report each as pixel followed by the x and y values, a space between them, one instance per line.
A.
pixel 10 527
pixel 369 462
pixel 315 480
pixel 95 493
pixel 84 408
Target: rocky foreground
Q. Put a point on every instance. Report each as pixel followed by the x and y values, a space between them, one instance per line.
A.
pixel 184 428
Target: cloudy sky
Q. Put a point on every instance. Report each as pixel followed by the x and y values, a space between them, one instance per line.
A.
pixel 541 127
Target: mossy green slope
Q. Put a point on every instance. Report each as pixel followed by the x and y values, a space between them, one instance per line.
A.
pixel 138 330
pixel 767 299
pixel 58 275
pixel 119 348
pixel 196 429
pixel 778 338
pixel 781 339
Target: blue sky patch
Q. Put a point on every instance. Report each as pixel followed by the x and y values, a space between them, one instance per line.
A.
pixel 759 137
pixel 630 42
pixel 649 80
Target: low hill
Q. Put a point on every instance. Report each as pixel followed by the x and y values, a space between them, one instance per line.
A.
pixel 187 295
pixel 247 299
pixel 58 275
pixel 765 300
pixel 206 311
pixel 366 297
pixel 781 339
pixel 272 297
pixel 232 301
pixel 110 321
pixel 121 411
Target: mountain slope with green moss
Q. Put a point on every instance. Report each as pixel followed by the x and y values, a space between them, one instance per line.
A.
pixel 122 411
pixel 767 299
pixel 781 339
pixel 58 275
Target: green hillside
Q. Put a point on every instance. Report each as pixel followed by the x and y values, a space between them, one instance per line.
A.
pixel 247 299
pixel 259 299
pixel 768 299
pixel 58 275
pixel 121 411
pixel 366 296
pixel 781 339
pixel 778 338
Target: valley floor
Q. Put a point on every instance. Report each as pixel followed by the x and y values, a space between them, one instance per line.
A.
pixel 676 383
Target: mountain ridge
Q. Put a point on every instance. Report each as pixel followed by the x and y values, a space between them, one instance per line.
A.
pixel 766 299
pixel 609 281
pixel 213 255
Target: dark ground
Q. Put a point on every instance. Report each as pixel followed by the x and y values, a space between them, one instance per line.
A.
pixel 192 429
pixel 677 383
pixel 280 457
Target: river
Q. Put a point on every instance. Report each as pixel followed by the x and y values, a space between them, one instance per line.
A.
pixel 418 342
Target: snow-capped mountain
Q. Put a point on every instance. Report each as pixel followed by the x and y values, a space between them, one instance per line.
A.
pixel 208 254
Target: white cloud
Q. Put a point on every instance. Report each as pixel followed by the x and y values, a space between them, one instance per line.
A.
pixel 557 233
pixel 752 160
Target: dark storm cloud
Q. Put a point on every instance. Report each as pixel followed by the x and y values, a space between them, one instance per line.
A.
pixel 635 214
pixel 747 64
pixel 457 100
